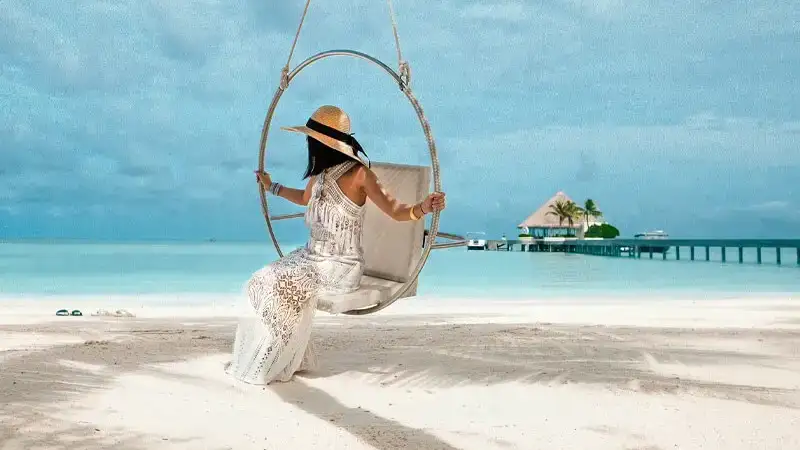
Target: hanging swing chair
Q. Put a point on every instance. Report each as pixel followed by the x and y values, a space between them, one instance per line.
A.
pixel 394 252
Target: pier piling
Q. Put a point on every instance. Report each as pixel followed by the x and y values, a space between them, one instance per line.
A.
pixel 633 248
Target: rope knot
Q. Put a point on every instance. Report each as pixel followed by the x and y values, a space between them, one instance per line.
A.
pixel 405 73
pixel 284 78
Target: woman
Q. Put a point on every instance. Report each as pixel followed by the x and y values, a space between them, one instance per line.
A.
pixel 272 341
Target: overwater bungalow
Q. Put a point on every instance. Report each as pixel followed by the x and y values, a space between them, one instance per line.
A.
pixel 542 225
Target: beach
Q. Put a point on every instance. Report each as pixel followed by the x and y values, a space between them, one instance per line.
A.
pixel 423 374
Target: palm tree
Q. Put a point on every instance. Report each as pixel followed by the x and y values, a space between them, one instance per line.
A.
pixel 565 210
pixel 590 210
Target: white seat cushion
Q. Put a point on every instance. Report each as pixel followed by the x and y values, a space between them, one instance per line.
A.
pixel 392 249
pixel 373 291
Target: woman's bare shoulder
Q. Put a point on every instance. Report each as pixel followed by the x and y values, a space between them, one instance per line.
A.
pixel 363 174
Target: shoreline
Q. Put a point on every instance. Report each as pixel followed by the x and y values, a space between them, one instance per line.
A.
pixel 767 311
pixel 575 296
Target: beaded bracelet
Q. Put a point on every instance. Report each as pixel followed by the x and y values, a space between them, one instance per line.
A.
pixel 274 188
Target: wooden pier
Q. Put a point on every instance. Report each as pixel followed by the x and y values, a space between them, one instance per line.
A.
pixel 667 248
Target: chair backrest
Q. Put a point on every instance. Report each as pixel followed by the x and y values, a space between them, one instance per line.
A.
pixel 392 249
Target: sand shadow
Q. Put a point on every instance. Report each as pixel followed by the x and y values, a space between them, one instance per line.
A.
pixel 622 358
pixel 371 428
pixel 36 387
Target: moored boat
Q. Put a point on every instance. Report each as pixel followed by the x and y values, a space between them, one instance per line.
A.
pixel 476 241
pixel 653 236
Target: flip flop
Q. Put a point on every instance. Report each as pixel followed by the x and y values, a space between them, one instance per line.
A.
pixel 75 312
pixel 62 312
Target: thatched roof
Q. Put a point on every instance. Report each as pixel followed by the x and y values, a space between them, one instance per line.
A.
pixel 540 218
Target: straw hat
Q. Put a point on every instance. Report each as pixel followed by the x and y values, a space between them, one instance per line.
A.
pixel 331 126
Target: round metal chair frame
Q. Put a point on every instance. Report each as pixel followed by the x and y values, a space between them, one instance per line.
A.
pixel 433 232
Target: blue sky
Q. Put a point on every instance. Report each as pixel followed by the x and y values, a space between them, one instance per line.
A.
pixel 141 119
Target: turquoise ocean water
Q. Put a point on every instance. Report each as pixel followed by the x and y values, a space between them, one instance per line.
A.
pixel 166 268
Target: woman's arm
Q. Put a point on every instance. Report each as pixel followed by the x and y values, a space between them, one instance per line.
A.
pixel 392 207
pixel 296 196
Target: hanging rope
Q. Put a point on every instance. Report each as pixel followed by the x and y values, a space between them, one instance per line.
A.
pixel 285 70
pixel 403 68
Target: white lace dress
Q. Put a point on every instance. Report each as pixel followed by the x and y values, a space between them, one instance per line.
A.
pixel 273 337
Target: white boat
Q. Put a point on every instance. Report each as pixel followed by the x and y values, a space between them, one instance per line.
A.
pixel 476 241
pixel 653 235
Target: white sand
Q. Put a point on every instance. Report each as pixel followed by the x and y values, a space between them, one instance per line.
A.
pixel 425 374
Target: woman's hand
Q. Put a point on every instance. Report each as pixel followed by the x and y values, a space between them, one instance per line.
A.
pixel 264 179
pixel 433 202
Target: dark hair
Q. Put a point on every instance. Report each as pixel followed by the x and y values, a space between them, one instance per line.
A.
pixel 321 157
